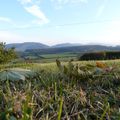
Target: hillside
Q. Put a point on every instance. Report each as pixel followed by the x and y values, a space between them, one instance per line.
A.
pixel 35 45
pixel 38 50
pixel 73 49
pixel 65 45
pixel 26 45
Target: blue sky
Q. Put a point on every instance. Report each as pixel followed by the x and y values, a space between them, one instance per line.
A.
pixel 60 21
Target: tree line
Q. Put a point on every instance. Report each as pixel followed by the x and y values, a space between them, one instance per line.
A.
pixel 106 55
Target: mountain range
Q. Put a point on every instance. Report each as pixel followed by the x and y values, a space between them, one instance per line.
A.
pixel 26 45
pixel 35 45
pixel 65 47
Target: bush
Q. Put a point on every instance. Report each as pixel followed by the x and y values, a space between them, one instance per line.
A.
pixel 6 55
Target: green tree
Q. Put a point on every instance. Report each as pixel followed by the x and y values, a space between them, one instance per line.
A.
pixel 6 55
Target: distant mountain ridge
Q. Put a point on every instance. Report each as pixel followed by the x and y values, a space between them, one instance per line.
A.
pixel 73 49
pixel 59 47
pixel 26 45
pixel 36 45
pixel 66 45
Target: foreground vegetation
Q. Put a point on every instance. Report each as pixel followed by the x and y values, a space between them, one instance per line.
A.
pixel 62 91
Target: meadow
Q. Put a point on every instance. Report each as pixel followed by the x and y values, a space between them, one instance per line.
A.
pixel 45 58
pixel 79 90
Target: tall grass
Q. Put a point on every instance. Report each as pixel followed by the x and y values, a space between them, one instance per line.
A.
pixel 72 91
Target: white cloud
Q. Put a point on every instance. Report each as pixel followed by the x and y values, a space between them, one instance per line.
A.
pixel 61 3
pixel 100 11
pixel 5 19
pixel 32 7
pixel 79 1
pixel 25 1
pixel 35 11
pixel 10 37
pixel 113 32
pixel 23 26
pixel 110 34
pixel 101 8
pixel 69 1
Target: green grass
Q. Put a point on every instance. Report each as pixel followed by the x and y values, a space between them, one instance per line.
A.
pixel 60 55
pixel 63 91
pixel 47 58
pixel 53 67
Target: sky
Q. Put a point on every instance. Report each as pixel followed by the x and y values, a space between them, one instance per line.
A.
pixel 60 21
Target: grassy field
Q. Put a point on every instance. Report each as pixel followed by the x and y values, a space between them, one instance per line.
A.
pixel 45 58
pixel 62 55
pixel 62 91
pixel 52 65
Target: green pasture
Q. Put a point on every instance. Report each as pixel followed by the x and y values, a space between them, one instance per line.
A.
pixel 62 55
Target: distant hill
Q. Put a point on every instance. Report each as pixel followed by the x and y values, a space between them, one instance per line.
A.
pixel 73 49
pixel 27 45
pixel 40 48
pixel 35 45
pixel 33 49
pixel 65 45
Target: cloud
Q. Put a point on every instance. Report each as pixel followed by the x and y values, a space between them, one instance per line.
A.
pixel 13 24
pixel 78 1
pixel 101 8
pixel 100 11
pixel 113 32
pixel 110 34
pixel 69 1
pixel 35 11
pixel 25 1
pixel 32 7
pixel 10 37
pixel 23 26
pixel 5 19
pixel 61 3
